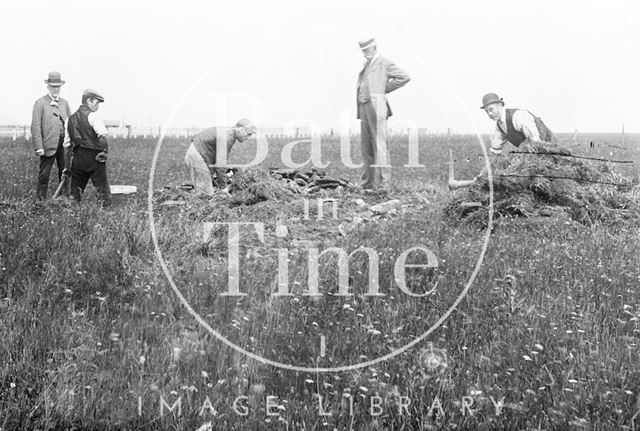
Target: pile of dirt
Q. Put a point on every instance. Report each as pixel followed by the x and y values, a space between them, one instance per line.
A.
pixel 309 181
pixel 547 181
pixel 254 185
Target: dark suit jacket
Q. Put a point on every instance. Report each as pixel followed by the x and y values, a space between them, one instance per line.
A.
pixel 380 77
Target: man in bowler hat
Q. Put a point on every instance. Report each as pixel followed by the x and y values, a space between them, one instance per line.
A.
pixel 513 125
pixel 516 126
pixel 378 77
pixel 48 132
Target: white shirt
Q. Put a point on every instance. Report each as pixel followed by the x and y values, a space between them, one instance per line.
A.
pixel 54 101
pixel 98 125
pixel 523 121
pixel 375 57
pixel 94 121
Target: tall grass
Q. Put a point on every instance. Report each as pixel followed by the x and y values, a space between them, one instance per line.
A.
pixel 94 337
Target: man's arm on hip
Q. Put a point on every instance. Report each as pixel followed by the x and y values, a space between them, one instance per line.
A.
pixel 397 77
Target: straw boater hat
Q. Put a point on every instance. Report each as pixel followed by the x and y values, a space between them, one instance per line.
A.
pixel 54 79
pixel 367 43
pixel 489 99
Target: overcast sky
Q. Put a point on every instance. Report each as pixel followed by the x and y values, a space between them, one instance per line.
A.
pixel 574 63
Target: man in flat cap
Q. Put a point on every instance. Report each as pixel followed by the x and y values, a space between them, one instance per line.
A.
pixel 48 132
pixel 88 142
pixel 201 159
pixel 513 125
pixel 378 77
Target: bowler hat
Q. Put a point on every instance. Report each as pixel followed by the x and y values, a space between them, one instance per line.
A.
pixel 54 79
pixel 92 94
pixel 367 43
pixel 490 98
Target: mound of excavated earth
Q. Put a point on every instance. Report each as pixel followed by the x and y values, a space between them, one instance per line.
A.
pixel 547 181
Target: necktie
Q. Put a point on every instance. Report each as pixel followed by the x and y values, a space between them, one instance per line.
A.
pixel 54 102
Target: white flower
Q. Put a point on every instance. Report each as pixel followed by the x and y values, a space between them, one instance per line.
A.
pixel 205 427
pixel 433 359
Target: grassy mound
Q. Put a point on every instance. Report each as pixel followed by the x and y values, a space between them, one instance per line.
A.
pixel 544 182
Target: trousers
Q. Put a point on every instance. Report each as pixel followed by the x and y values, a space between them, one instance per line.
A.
pixel 373 144
pixel 198 172
pixel 46 163
pixel 84 166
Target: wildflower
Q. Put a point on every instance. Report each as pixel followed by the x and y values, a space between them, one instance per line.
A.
pixel 176 353
pixel 257 388
pixel 434 360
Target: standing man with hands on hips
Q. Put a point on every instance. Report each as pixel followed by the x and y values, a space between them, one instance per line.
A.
pixel 48 131
pixel 378 77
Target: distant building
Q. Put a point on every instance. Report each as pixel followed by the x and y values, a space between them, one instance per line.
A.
pixel 118 128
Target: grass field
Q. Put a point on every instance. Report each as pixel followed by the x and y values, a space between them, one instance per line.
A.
pixel 94 337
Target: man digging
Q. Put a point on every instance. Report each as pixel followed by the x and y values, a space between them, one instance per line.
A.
pixel 516 126
pixel 202 154
pixel 513 125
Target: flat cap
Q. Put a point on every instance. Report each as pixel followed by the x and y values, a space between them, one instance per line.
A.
pixel 89 93
pixel 247 124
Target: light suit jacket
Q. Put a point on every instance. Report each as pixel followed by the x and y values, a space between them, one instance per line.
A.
pixel 381 76
pixel 47 124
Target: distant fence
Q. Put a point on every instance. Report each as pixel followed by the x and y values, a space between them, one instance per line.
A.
pixel 119 129
pixel 15 131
